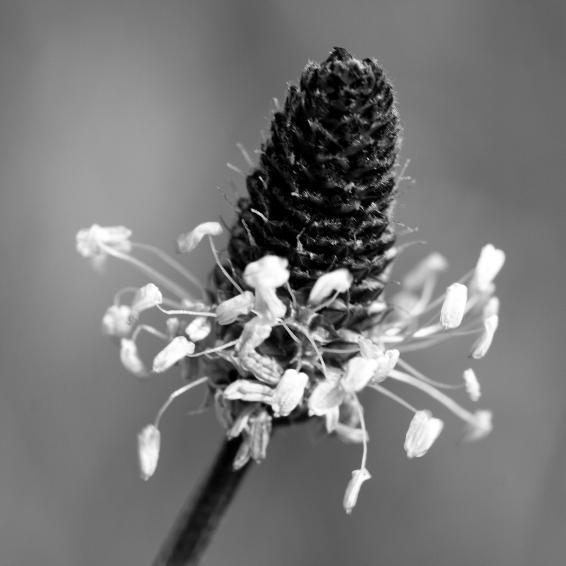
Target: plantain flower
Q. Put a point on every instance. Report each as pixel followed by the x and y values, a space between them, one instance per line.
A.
pixel 300 323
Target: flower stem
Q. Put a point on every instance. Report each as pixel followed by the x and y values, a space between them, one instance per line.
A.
pixel 200 516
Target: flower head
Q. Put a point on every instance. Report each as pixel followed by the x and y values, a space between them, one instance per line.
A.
pixel 298 326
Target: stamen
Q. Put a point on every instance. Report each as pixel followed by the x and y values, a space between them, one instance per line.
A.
pixel 435 394
pixel 185 312
pixel 392 396
pixel 166 258
pixel 426 379
pixel 360 412
pixel 149 330
pixel 212 350
pixel 149 271
pixel 176 394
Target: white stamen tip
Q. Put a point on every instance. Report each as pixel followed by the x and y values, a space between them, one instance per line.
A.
pixel 480 427
pixel 386 364
pixel 149 441
pixel 255 332
pixel 130 358
pixel 228 311
pixel 489 264
pixel 198 329
pixel 146 297
pixel 326 396
pixel 337 281
pixel 358 373
pixel 116 321
pixel 484 341
pixel 190 240
pixel 269 271
pixel 454 306
pixel 353 488
pixel 175 351
pixel 289 392
pixel 423 431
pixel 472 384
pixel 90 241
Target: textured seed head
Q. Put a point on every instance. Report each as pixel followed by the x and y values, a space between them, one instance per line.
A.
pixel 322 193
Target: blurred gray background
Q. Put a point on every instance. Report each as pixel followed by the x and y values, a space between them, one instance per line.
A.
pixel 125 112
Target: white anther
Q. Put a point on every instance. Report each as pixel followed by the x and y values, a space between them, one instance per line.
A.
pixel 454 306
pixel 130 358
pixel 190 240
pixel 174 352
pixel 353 488
pixel 289 392
pixel 116 321
pixel 479 427
pixel 358 373
pixel 483 343
pixel 254 333
pixel 337 281
pixel 489 264
pixel 350 434
pixel 228 311
pixel 146 297
pixel 472 384
pixel 198 329
pixel 269 271
pixel 386 364
pixel 326 396
pixel 423 431
pixel 90 240
pixel 149 441
pixel 246 390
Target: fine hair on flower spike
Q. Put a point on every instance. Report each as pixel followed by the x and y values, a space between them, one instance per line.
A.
pixel 301 324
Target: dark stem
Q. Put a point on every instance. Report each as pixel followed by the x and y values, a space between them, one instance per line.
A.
pixel 200 517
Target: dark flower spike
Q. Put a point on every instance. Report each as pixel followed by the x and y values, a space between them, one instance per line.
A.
pixel 322 193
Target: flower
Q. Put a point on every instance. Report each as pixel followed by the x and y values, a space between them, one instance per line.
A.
pixel 423 431
pixel 189 241
pixel 149 442
pixel 299 324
